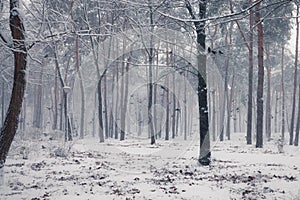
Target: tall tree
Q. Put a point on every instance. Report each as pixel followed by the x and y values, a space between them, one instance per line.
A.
pixel 150 52
pixel 268 100
pixel 260 83
pixel 295 80
pixel 296 142
pixel 205 153
pixel 82 109
pixel 10 126
pixel 282 96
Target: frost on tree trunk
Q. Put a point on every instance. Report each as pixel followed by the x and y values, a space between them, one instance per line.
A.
pixel 20 53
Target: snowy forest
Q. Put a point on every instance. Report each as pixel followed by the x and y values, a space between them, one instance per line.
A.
pixel 149 99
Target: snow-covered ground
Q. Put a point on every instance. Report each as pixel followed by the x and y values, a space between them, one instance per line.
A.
pixel 133 169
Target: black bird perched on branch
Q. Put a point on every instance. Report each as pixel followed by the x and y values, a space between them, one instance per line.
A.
pixel 209 50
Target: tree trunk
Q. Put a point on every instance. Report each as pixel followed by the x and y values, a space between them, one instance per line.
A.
pixel 296 142
pixel 2 103
pixel 214 114
pixel 116 129
pixel 37 115
pixel 100 114
pixel 185 118
pixel 229 107
pixel 10 126
pixel 82 116
pixel 205 153
pixel 268 102
pixel 227 95
pixel 260 83
pixel 94 115
pixel 282 96
pixel 276 111
pixel 295 80
pixel 150 97
pixel 173 99
pixel 125 97
pixel 139 117
pixel 225 98
pixel 167 95
pixel 106 121
pixel 250 80
pixel 112 106
pixel 55 103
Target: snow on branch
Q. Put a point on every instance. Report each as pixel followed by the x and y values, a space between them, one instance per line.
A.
pixel 17 12
pixel 231 15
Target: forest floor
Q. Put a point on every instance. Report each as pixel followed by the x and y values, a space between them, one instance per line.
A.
pixel 134 169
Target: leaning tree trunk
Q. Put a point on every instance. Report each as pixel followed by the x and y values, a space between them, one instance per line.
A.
pixel 10 126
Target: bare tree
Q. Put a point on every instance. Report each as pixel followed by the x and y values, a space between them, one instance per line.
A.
pixel 205 153
pixel 150 52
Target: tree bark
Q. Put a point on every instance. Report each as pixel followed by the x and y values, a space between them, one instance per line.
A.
pixel 55 103
pixel 282 96
pixel 205 153
pixel 124 101
pixel 82 116
pixel 2 103
pixel 100 114
pixel 37 114
pixel 10 126
pixel 296 142
pixel 276 111
pixel 295 80
pixel 229 107
pixel 82 108
pixel 150 97
pixel 185 118
pixel 260 83
pixel 106 120
pixel 268 101
pixel 250 80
